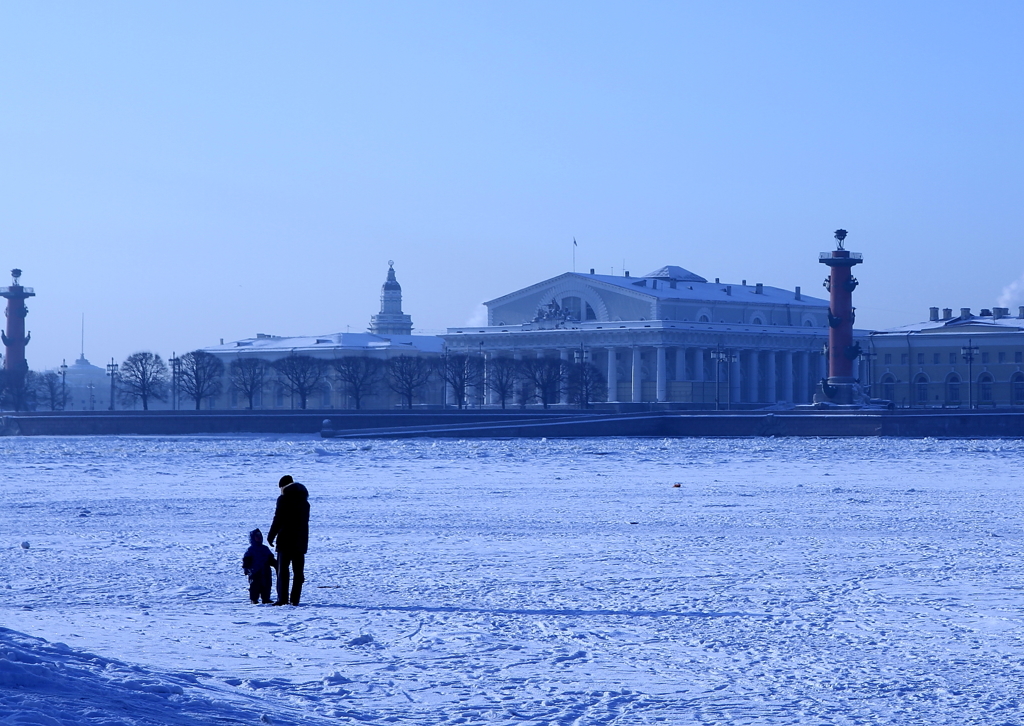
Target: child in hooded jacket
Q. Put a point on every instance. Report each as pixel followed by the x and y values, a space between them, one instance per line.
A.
pixel 258 563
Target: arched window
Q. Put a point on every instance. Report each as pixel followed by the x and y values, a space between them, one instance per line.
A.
pixel 757 321
pixel 573 307
pixel 704 319
pixel 889 387
pixel 808 324
pixel 985 388
pixel 953 390
pixel 921 389
pixel 325 396
pixel 1017 387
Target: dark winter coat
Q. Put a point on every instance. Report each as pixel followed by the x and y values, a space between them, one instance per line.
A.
pixel 258 559
pixel 291 521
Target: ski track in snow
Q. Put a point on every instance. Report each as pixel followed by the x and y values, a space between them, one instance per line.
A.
pixel 562 582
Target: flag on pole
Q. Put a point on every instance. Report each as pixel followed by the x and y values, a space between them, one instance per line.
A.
pixel 574 242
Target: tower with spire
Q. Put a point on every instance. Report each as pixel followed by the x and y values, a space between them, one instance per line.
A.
pixel 15 338
pixel 391 320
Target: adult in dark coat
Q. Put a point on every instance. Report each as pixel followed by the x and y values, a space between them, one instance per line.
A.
pixel 291 530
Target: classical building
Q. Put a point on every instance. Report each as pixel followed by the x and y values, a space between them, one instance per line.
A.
pixel 390 335
pixel 668 337
pixel 952 362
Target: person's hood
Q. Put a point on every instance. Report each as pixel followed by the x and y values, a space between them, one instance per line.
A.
pixel 295 490
pixel 255 537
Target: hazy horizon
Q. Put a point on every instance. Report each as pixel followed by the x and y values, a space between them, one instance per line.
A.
pixel 185 173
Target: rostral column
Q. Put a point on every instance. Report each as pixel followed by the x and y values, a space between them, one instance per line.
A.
pixel 840 387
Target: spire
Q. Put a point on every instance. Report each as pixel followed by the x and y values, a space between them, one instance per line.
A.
pixel 391 320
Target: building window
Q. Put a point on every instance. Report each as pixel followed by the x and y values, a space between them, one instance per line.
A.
pixel 573 307
pixel 1018 389
pixel 921 390
pixel 952 359
pixel 704 319
pixel 920 359
pixel 888 358
pixel 1002 357
pixel 985 389
pixel 953 390
pixel 935 358
pixel 889 388
pixel 984 357
pixel 234 398
pixel 904 358
pixel 1018 357
pixel 591 315
pixel 279 396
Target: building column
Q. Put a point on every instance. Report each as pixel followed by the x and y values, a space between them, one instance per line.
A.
pixel 754 372
pixel 734 379
pixel 787 377
pixel 802 375
pixel 638 391
pixel 517 386
pixel 680 364
pixel 770 385
pixel 662 390
pixel 612 377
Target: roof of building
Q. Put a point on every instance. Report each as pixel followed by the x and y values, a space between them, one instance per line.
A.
pixel 686 290
pixel 970 324
pixel 335 341
pixel 673 272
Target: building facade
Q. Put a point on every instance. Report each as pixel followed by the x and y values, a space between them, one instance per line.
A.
pixel 666 337
pixel 952 362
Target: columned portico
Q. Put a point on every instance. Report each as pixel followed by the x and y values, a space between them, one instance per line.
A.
pixel 753 376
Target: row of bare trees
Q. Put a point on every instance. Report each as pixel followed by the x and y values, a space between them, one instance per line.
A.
pixel 145 377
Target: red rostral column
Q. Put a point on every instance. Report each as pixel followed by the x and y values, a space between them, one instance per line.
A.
pixel 15 338
pixel 841 349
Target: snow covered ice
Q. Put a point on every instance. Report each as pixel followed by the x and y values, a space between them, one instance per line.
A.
pixel 516 582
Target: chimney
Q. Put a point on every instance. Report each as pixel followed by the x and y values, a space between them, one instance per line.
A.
pixel 986 313
pixel 933 315
pixel 798 293
pixel 947 313
pixel 591 270
pixel 728 289
pixel 744 283
pixel 716 281
pixel 759 289
pixel 627 273
pixel 965 313
pixel 1020 312
pixel 998 313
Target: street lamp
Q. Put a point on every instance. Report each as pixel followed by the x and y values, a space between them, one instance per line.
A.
pixel 112 372
pixel 720 356
pixel 175 362
pixel 968 352
pixel 63 383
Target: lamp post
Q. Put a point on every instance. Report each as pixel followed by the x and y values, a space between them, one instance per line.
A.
pixel 112 372
pixel 720 356
pixel 968 352
pixel 868 357
pixel 175 362
pixel 63 384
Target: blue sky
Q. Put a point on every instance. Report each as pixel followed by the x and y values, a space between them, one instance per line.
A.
pixel 185 172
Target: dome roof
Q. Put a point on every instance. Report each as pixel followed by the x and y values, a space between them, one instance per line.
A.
pixel 392 283
pixel 674 272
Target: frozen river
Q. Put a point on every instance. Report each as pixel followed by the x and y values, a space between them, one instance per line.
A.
pixel 517 582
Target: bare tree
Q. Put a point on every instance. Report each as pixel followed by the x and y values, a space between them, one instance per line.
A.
pixel 246 376
pixel 584 384
pixel 143 377
pixel 360 375
pixel 301 375
pixel 49 389
pixel 407 375
pixel 502 374
pixel 460 371
pixel 201 376
pixel 546 375
pixel 18 389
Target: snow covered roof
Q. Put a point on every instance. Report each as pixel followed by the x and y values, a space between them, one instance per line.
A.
pixel 970 324
pixel 335 341
pixel 673 272
pixel 685 290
